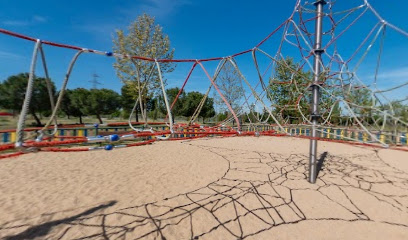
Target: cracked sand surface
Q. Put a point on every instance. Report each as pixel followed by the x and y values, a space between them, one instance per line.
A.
pixel 260 193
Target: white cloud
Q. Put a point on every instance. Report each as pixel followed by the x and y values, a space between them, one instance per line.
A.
pixel 392 81
pixel 100 28
pixel 398 74
pixel 36 19
pixel 10 55
pixel 39 19
pixel 16 23
pixel 156 8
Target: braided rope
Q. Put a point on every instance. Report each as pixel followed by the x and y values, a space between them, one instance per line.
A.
pixel 51 96
pixel 203 100
pixel 27 99
pixel 139 100
pixel 337 75
pixel 166 102
pixel 62 91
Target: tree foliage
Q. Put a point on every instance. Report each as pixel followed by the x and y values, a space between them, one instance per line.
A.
pixel 397 109
pixel 128 99
pixel 102 101
pixel 75 102
pixel 287 91
pixel 171 95
pixel 284 89
pixel 191 102
pixel 12 94
pixel 229 84
pixel 360 102
pixel 145 39
pixel 81 102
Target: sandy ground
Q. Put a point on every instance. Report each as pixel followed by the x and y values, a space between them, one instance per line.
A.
pixel 229 188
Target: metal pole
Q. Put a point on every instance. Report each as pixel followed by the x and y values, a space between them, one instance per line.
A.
pixel 315 89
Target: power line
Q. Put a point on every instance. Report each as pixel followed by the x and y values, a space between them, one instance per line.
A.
pixel 95 81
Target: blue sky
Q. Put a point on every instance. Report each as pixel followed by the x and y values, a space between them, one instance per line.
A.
pixel 197 29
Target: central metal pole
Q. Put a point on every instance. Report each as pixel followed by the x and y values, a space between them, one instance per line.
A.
pixel 316 90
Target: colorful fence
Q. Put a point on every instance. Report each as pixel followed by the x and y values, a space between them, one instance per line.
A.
pixel 338 133
pixel 349 134
pixel 9 136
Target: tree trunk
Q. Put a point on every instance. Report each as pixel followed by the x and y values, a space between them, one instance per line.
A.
pixel 37 119
pixel 137 114
pixel 99 118
pixel 80 119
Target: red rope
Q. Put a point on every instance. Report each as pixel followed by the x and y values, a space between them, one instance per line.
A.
pixel 184 84
pixel 54 143
pixel 272 33
pixel 272 133
pixel 5 147
pixel 221 95
pixel 141 143
pixel 18 35
pixel 55 149
pixel 69 126
pixel 11 155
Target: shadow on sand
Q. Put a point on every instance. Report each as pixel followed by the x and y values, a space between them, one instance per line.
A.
pixel 258 192
pixel 320 163
pixel 42 230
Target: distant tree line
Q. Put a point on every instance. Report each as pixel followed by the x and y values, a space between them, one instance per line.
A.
pixel 142 85
pixel 290 80
pixel 81 102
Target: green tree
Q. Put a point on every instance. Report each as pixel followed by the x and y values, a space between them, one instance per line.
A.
pixel 397 109
pixel 252 115
pixel 336 117
pixel 208 110
pixel 12 94
pixel 360 102
pixel 128 100
pixel 191 102
pixel 103 101
pixel 400 110
pixel 171 95
pixel 75 103
pixel 229 84
pixel 287 89
pixel 145 39
pixel 221 116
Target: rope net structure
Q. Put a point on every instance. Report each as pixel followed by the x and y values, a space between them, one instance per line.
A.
pixel 360 103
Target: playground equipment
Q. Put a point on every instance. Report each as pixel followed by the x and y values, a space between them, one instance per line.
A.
pixel 333 87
